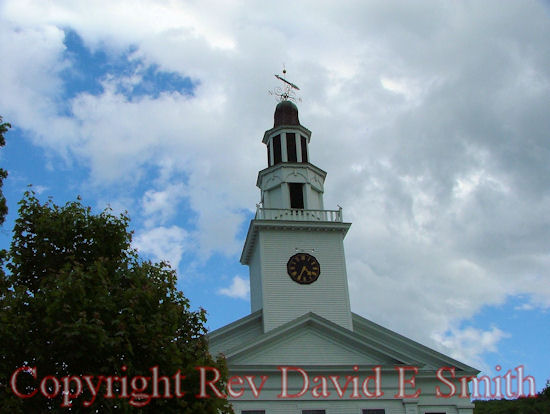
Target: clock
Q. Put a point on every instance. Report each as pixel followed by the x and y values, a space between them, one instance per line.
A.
pixel 303 268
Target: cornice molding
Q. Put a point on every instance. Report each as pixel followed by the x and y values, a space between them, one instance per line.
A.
pixel 256 225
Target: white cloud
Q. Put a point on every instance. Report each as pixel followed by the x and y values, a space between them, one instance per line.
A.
pixel 31 84
pixel 39 189
pixel 127 21
pixel 468 345
pixel 163 243
pixel 524 307
pixel 160 206
pixel 239 289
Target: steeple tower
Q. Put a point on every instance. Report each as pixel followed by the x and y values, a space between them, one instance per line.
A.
pixel 294 247
pixel 287 155
pixel 299 299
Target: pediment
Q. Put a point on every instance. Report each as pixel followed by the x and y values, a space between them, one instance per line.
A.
pixel 310 346
pixel 311 340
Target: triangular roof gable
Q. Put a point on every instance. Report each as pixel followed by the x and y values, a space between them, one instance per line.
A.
pixel 244 343
pixel 236 333
pixel 311 340
pixel 431 359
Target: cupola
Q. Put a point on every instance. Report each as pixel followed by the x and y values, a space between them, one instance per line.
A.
pixel 288 140
pixel 290 180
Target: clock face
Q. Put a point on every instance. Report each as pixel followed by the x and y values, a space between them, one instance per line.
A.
pixel 303 268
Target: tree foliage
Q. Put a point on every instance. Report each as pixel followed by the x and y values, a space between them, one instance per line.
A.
pixel 77 300
pixel 533 405
pixel 4 126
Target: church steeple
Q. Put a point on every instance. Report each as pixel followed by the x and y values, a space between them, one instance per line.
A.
pixel 300 305
pixel 290 181
pixel 294 247
pixel 287 141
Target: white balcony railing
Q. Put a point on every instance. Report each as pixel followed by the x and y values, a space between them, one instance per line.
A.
pixel 297 214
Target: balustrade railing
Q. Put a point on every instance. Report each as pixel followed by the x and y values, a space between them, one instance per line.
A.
pixel 298 214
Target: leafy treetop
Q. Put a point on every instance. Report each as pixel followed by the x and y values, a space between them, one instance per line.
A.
pixel 79 301
pixel 4 126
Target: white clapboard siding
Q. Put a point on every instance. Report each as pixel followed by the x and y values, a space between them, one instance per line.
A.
pixel 284 299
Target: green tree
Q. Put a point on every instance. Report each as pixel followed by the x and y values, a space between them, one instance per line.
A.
pixel 545 393
pixel 539 404
pixel 4 126
pixel 77 300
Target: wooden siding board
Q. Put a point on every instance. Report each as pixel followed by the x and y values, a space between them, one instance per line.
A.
pixel 284 299
pixel 307 347
pixel 245 334
pixel 256 297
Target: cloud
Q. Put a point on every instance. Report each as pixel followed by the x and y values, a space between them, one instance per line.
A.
pixel 468 345
pixel 239 289
pixel 31 83
pixel 160 206
pixel 128 22
pixel 39 189
pixel 524 307
pixel 163 243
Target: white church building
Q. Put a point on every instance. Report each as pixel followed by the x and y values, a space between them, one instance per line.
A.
pixel 302 350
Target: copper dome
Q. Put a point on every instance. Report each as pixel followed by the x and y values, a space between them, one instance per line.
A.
pixel 286 113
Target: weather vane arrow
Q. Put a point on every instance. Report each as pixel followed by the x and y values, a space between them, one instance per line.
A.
pixel 287 82
pixel 287 92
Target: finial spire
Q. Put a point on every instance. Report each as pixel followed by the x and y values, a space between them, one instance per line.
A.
pixel 287 91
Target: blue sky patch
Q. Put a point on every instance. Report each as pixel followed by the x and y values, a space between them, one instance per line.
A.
pixel 89 68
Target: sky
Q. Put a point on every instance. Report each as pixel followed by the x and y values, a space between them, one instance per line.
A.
pixel 431 118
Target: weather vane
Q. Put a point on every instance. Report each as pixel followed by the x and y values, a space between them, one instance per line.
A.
pixel 287 91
